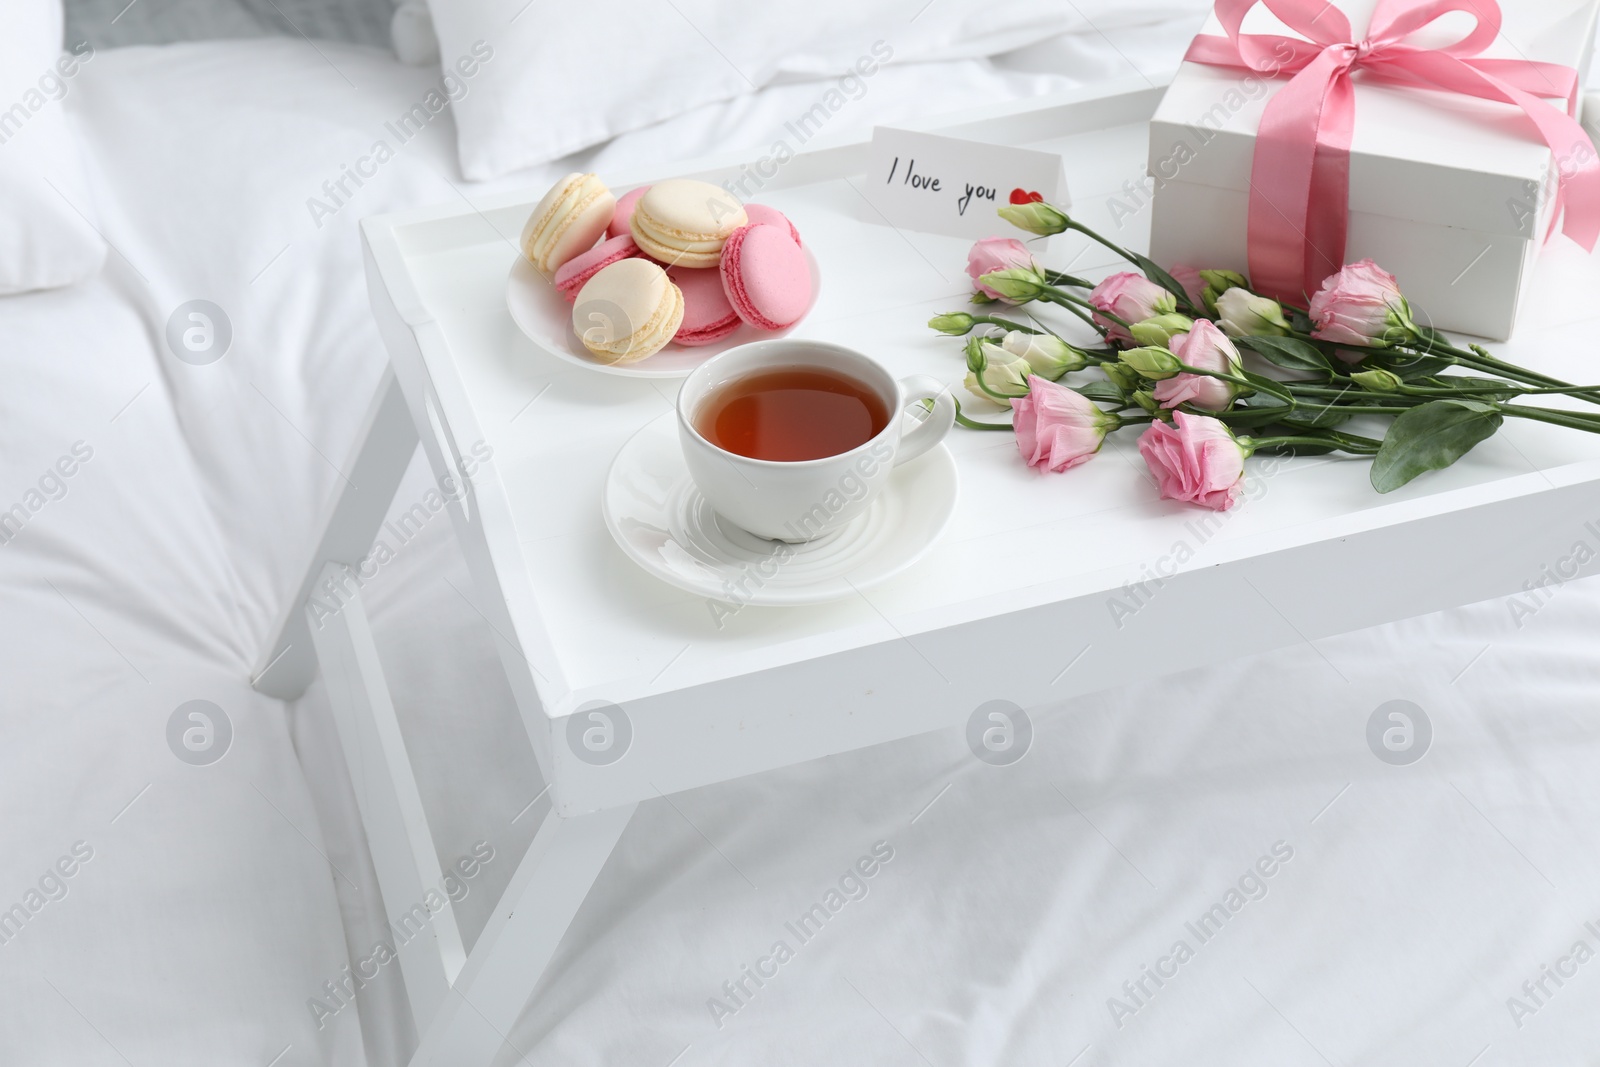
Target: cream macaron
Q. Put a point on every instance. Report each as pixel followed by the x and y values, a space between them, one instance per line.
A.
pixel 683 222
pixel 627 311
pixel 567 222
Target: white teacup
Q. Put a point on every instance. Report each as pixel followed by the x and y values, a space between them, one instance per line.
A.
pixel 801 500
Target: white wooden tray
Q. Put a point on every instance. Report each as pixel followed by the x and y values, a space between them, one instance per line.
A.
pixel 1043 586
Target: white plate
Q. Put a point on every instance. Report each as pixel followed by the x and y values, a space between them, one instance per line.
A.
pixel 662 522
pixel 546 317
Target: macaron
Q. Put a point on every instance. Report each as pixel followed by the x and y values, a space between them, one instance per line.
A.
pixel 707 315
pixel 762 214
pixel 624 211
pixel 627 311
pixel 575 272
pixel 569 220
pixel 766 277
pixel 683 222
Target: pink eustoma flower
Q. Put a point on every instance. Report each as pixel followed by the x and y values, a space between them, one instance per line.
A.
pixel 1206 348
pixel 1198 461
pixel 1360 305
pixel 997 253
pixel 1132 298
pixel 1058 428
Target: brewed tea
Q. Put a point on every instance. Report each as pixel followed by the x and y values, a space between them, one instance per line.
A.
pixel 792 414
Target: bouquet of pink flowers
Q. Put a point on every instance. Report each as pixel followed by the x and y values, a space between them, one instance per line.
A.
pixel 1171 360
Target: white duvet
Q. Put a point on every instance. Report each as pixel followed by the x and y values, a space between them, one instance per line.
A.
pixel 1017 916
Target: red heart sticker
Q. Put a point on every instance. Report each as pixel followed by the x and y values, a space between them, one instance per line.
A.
pixel 1022 196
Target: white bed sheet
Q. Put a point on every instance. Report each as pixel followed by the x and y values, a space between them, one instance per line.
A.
pixel 221 897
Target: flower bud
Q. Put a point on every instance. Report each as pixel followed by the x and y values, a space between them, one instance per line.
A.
pixel 1048 355
pixel 1161 329
pixel 1204 348
pixel 994 254
pixel 1244 314
pixel 1122 376
pixel 1147 400
pixel 976 356
pixel 1223 280
pixel 1002 372
pixel 953 324
pixel 1035 217
pixel 1016 285
pixel 1129 298
pixel 1156 364
pixel 1217 282
pixel 1378 381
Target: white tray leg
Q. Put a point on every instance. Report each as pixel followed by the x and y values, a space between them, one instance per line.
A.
pixel 521 937
pixel 377 461
pixel 422 922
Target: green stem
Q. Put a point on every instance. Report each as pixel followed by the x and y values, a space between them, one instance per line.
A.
pixel 1569 419
pixel 1583 420
pixel 1243 416
pixel 1236 380
pixel 1591 417
pixel 1353 444
pixel 1122 253
pixel 1373 409
pixel 1004 398
pixel 1066 300
pixel 1185 305
pixel 1479 358
pixel 1520 390
pixel 1004 324
pixel 1362 444
pixel 974 424
pixel 1056 277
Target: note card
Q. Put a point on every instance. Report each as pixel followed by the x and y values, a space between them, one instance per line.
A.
pixel 935 184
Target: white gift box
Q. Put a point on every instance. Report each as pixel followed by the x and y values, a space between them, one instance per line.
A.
pixel 1450 193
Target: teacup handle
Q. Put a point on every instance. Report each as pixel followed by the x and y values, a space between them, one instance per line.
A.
pixel 931 430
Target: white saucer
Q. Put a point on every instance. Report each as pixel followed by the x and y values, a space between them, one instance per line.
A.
pixel 661 521
pixel 546 317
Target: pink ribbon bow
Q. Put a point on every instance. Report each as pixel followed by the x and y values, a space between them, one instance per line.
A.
pixel 1300 179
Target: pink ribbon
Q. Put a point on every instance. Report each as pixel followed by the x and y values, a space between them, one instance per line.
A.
pixel 1300 179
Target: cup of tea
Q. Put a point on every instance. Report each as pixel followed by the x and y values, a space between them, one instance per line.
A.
pixel 791 439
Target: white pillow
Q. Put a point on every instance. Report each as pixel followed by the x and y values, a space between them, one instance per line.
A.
pixel 532 82
pixel 47 237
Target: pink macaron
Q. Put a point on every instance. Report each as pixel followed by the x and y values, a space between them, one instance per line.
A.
pixel 624 212
pixel 762 215
pixel 707 315
pixel 571 275
pixel 766 277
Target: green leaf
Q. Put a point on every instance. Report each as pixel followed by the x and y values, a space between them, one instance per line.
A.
pixel 1430 438
pixel 1162 278
pixel 1290 352
pixel 1106 392
pixel 1263 383
pixel 1412 368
